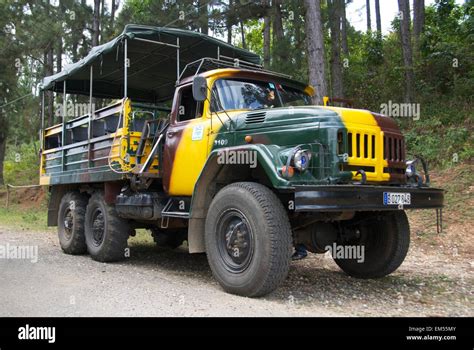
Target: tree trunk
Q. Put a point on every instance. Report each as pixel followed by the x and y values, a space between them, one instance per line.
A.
pixel 59 55
pixel 59 48
pixel 297 31
pixel 96 23
pixel 378 19
pixel 405 38
pixel 335 62
pixel 242 33
pixel 49 70
pixel 315 48
pixel 418 20
pixel 280 51
pixel 102 26
pixel 229 34
pixel 3 143
pixel 277 22
pixel 266 35
pixel 83 46
pixel 112 16
pixel 345 46
pixel 369 23
pixel 203 16
pixel 229 23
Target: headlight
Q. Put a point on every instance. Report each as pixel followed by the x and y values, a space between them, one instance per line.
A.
pixel 410 170
pixel 301 160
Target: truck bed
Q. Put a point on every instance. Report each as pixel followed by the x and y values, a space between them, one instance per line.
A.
pixel 99 148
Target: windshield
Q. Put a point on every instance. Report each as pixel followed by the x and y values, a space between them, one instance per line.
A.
pixel 229 94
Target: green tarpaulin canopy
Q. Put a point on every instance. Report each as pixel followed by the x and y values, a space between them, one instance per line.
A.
pixel 152 71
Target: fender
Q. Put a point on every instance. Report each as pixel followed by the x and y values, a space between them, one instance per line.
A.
pixel 216 172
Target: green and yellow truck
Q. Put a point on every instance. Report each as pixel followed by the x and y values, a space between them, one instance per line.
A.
pixel 200 144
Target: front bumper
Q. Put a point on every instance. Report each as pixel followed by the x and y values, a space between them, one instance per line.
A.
pixel 363 198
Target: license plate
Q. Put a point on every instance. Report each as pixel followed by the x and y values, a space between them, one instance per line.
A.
pixel 396 198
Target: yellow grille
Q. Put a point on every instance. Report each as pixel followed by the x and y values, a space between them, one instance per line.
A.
pixel 364 149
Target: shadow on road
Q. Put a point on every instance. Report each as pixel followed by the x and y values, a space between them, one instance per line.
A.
pixel 315 280
pixel 177 261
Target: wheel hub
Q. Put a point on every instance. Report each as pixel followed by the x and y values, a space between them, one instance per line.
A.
pixel 98 227
pixel 236 241
pixel 68 223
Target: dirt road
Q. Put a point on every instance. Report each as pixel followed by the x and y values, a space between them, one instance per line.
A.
pixel 154 282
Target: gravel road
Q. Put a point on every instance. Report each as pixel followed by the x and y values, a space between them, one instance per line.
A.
pixel 156 282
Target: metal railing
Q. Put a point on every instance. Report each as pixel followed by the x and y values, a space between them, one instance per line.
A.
pixel 209 63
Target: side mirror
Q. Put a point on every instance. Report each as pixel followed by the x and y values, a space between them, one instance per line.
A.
pixel 199 88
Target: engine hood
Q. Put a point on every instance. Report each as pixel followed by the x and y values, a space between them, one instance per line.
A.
pixel 274 117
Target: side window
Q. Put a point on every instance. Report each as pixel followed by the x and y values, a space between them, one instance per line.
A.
pixel 188 108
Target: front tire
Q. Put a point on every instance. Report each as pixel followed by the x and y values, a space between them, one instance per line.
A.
pixel 71 217
pixel 248 239
pixel 106 233
pixel 385 239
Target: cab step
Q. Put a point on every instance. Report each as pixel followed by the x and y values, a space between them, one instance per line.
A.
pixel 175 208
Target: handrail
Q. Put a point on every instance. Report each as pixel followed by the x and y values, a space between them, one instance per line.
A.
pixel 228 62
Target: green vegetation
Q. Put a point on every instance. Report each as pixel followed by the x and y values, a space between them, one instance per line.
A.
pixel 33 219
pixel 21 165
pixel 458 182
pixel 373 68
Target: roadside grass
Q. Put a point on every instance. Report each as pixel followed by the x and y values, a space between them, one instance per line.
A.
pixel 27 209
pixel 32 219
pixel 458 213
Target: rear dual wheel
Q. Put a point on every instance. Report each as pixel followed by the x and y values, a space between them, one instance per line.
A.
pixel 71 220
pixel 106 234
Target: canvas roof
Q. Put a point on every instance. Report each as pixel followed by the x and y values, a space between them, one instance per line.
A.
pixel 152 71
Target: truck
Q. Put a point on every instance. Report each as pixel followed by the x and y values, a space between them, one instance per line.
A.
pixel 198 142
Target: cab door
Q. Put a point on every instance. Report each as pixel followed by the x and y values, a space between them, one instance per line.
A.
pixel 186 144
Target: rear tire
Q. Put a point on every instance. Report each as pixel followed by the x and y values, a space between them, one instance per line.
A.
pixel 385 241
pixel 106 233
pixel 71 217
pixel 248 239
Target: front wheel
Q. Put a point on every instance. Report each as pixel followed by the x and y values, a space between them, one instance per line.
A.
pixel 376 245
pixel 248 239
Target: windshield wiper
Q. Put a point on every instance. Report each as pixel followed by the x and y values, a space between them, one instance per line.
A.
pixel 214 94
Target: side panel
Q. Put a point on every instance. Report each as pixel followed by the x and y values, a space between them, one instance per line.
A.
pixel 99 149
